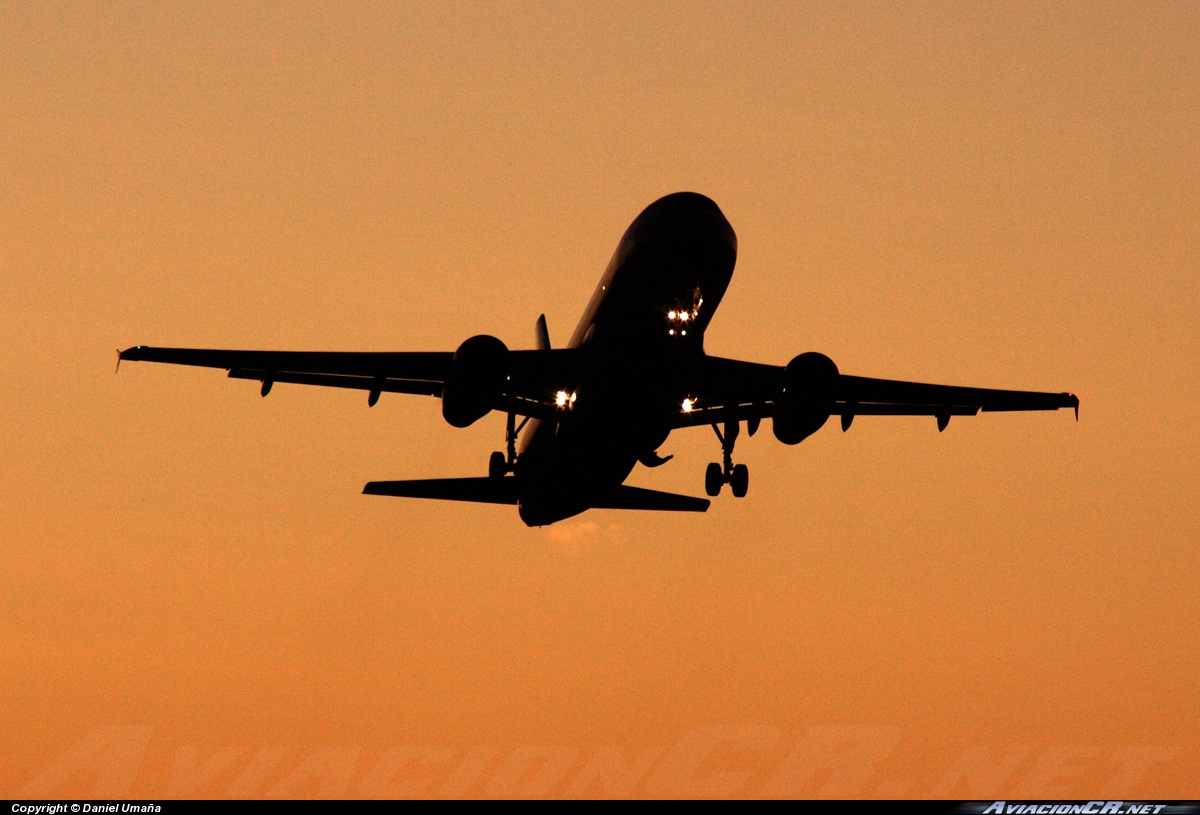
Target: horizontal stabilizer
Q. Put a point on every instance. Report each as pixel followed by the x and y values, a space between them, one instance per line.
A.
pixel 480 490
pixel 504 491
pixel 637 498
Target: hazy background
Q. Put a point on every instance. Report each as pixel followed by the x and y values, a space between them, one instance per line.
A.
pixel 999 195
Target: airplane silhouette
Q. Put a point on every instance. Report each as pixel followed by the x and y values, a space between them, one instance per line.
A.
pixel 634 370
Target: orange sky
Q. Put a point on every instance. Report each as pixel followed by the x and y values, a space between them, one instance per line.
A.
pixel 1001 195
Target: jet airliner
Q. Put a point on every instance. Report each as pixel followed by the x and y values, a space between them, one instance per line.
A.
pixel 634 370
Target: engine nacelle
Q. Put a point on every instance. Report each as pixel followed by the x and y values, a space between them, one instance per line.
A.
pixel 804 403
pixel 476 378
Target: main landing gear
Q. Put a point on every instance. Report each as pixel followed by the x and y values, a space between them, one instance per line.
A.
pixel 736 476
pixel 499 464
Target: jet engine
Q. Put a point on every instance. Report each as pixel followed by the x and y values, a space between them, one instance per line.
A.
pixel 477 376
pixel 804 403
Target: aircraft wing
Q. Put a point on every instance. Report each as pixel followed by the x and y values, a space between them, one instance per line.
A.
pixel 729 389
pixel 535 375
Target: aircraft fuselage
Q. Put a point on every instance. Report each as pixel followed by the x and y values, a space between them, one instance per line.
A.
pixel 641 339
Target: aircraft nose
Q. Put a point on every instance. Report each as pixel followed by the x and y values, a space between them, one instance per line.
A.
pixel 688 216
pixel 682 201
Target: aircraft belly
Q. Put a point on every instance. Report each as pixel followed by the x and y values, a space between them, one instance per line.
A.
pixel 568 463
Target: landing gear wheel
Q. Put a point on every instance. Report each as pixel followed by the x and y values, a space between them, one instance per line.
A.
pixel 497 465
pixel 737 477
pixel 739 480
pixel 713 479
pixel 501 464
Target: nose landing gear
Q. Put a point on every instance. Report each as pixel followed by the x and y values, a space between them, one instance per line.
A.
pixel 500 464
pixel 736 476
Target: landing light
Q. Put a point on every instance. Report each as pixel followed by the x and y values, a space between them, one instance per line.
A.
pixel 687 405
pixel 677 318
pixel 560 398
